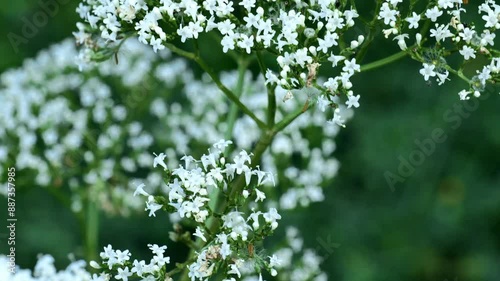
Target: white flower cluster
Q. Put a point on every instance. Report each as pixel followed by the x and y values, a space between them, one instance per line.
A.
pixel 44 270
pixel 191 183
pixel 68 127
pixel 187 192
pixel 117 264
pixel 301 34
pixel 447 25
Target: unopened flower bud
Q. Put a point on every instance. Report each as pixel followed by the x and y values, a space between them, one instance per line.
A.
pixel 483 50
pixel 255 225
pixel 309 32
pixel 94 264
pixel 312 50
pixel 419 38
pixel 361 39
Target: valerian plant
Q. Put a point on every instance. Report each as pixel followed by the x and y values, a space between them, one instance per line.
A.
pixel 216 200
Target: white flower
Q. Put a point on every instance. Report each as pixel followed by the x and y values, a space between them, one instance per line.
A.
pixel 413 20
pixel 140 190
pixel 487 38
pixel 351 66
pixel 246 42
pixel 335 59
pixel 401 41
pixel 491 18
pixel 337 118
pixel 152 206
pixel 260 195
pixel 441 32
pixel 228 42
pixel 387 13
pixel 199 233
pixel 433 13
pixel 467 52
pixel 157 44
pixel 442 77
pixel 271 217
pixel 323 103
pixel 464 95
pixel 274 261
pixel 352 101
pixel 123 274
pixel 301 57
pixel 428 71
pixel 467 34
pixel 159 160
pixel 226 27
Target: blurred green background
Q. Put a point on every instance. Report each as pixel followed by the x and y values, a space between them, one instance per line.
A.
pixel 442 222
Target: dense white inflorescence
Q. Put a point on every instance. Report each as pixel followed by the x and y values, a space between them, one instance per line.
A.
pixel 226 236
pixel 450 32
pixel 301 35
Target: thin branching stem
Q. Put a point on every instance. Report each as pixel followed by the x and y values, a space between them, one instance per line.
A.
pixel 271 96
pixel 232 96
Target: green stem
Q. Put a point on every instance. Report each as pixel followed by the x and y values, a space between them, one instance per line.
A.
pixel 265 140
pixel 271 96
pixel 384 61
pixel 233 109
pixel 459 74
pixel 91 229
pixel 233 97
pixel 371 34
pixel 289 119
